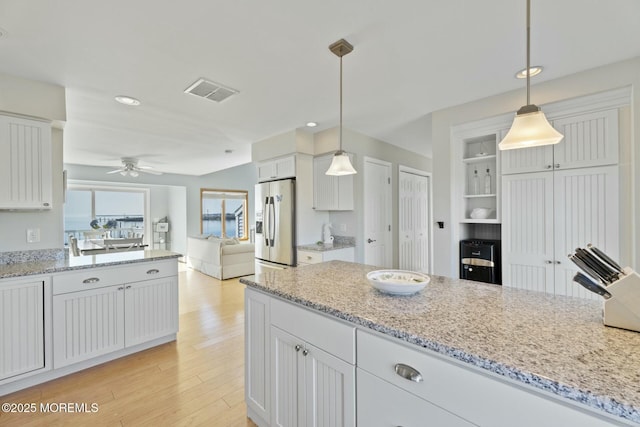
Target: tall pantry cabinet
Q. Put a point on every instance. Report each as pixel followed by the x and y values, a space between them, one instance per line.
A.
pixel 557 198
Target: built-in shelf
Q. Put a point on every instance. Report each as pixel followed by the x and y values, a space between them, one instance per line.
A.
pixel 478 159
pixel 480 221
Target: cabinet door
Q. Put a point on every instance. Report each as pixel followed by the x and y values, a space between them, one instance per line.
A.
pixel 329 389
pixel 266 171
pixel 586 211
pixel 151 310
pixel 527 231
pixel 25 164
pixel 325 187
pixel 287 380
pixel 381 404
pixel 87 324
pixel 285 167
pixel 21 328
pixel 257 353
pixel 524 160
pixel 589 140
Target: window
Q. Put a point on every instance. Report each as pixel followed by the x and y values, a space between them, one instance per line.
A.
pixel 92 212
pixel 223 213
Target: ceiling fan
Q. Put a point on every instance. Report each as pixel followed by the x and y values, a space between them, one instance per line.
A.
pixel 130 167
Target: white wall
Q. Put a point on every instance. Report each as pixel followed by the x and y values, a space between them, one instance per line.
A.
pixel 597 80
pixel 42 100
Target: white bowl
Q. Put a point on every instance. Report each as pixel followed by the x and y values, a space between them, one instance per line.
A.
pixel 398 282
pixel 481 213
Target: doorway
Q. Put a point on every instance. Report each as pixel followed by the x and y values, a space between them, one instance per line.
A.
pixel 414 220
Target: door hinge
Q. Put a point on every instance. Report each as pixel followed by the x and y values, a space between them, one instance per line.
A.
pixel 389 227
pixel 388 180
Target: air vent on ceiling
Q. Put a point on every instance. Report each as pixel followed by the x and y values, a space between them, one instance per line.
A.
pixel 210 90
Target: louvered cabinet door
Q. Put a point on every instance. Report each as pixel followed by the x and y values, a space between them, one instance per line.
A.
pixel 151 310
pixel 257 382
pixel 87 324
pixel 21 328
pixel 329 390
pixel 527 231
pixel 287 379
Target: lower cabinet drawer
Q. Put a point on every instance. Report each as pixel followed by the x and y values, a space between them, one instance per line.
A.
pixel 329 335
pixel 478 397
pixel 309 257
pixel 381 404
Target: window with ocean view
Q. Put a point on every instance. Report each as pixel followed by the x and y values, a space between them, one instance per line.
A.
pixel 91 213
pixel 224 213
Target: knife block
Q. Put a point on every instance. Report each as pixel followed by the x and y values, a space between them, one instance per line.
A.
pixel 622 310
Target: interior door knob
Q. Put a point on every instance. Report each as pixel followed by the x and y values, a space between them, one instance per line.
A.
pixel 370 241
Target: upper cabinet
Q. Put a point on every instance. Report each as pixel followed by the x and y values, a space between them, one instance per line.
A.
pixel 590 139
pixel 283 167
pixel 331 193
pixel 25 164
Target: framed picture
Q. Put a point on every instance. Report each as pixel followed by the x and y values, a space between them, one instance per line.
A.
pixel 162 227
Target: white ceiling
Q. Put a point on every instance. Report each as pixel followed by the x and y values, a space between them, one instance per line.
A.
pixel 411 57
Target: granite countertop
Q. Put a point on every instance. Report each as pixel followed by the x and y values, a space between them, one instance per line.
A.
pixel 48 266
pixel 558 344
pixel 322 248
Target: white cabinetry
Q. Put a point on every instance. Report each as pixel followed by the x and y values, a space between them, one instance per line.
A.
pixel 21 327
pixel 310 379
pixel 316 257
pixel 549 214
pixel 449 394
pixel 557 198
pixel 257 377
pixel 283 167
pixel 413 222
pixel 590 139
pixel 102 310
pixel 25 164
pixel 331 193
pixel 481 188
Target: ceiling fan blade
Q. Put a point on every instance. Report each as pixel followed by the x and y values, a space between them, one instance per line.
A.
pixel 115 171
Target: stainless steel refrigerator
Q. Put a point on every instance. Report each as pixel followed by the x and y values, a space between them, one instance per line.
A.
pixel 275 211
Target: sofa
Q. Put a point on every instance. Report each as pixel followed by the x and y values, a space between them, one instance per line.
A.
pixel 220 258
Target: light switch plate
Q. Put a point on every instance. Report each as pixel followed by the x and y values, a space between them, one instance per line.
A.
pixel 33 235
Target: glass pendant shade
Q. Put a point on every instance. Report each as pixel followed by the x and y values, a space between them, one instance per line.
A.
pixel 340 165
pixel 530 129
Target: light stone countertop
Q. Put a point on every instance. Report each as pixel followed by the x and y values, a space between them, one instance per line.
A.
pixel 48 266
pixel 557 344
pixel 323 248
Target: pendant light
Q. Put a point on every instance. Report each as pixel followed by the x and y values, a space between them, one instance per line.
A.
pixel 341 165
pixel 530 127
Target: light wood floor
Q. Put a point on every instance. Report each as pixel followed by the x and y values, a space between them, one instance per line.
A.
pixel 198 380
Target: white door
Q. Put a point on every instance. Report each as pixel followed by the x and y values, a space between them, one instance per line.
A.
pixel 330 389
pixel 586 211
pixel 527 231
pixel 414 220
pixel 377 212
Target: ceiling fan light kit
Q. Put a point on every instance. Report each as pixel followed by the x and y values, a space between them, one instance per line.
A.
pixel 530 127
pixel 341 164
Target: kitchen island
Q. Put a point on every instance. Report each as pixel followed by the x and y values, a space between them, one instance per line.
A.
pixel 554 349
pixel 63 314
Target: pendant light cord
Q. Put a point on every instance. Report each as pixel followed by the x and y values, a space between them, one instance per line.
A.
pixel 340 148
pixel 528 50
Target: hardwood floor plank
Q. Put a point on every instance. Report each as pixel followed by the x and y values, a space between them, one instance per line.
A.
pixel 197 380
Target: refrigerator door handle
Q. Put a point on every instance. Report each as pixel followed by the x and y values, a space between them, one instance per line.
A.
pixel 266 220
pixel 272 217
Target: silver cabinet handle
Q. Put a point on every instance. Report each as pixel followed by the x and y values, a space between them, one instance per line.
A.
pixel 409 373
pixel 91 280
pixel 305 352
pixel 128 287
pixel 298 347
pixel 120 288
pixel 153 271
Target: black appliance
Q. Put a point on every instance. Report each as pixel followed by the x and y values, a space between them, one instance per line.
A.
pixel 480 260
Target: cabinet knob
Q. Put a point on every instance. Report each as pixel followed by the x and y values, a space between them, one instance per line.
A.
pixel 370 241
pixel 548 167
pixel 548 261
pixel 45 204
pixel 298 347
pixel 409 373
pixel 121 288
pixel 128 287
pixel 305 352
pixel 558 262
pixel 557 165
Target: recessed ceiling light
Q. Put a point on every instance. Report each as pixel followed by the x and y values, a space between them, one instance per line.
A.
pixel 312 124
pixel 533 71
pixel 127 100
